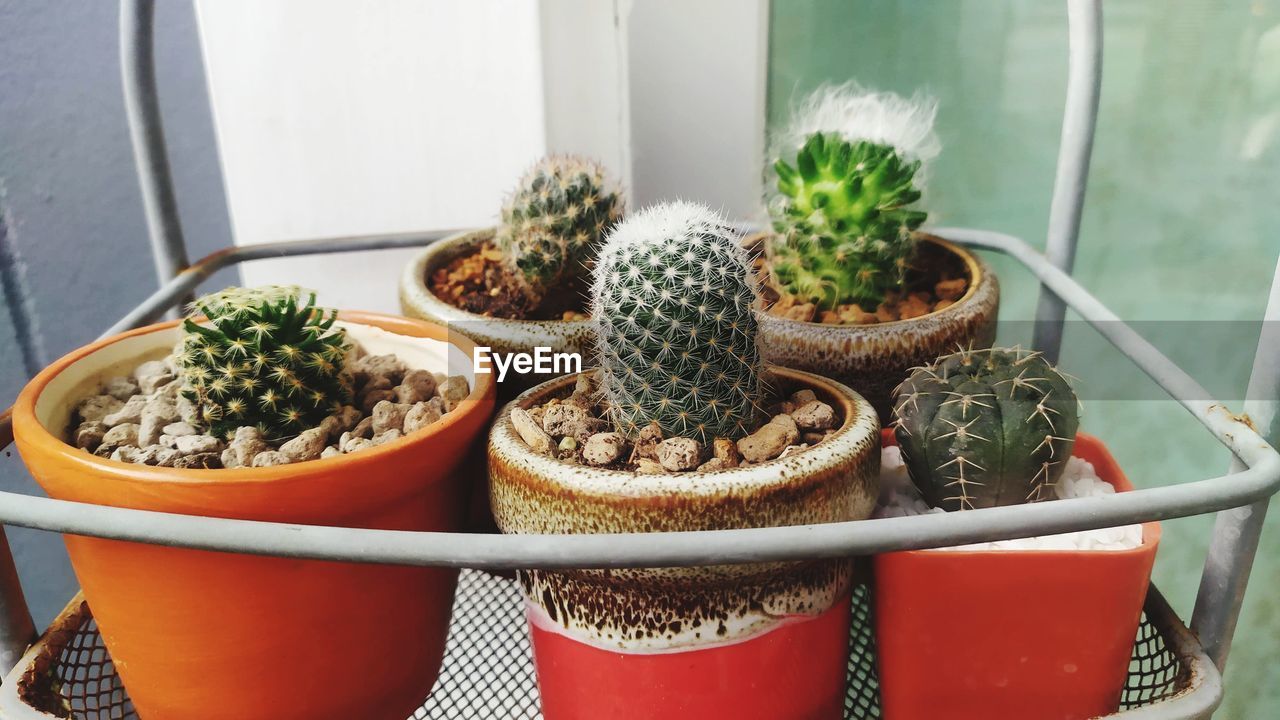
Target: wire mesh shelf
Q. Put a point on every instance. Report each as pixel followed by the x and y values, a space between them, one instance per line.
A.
pixel 488 664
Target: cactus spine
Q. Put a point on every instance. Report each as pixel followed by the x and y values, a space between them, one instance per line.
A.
pixel 981 428
pixel 265 359
pixel 555 220
pixel 847 175
pixel 673 300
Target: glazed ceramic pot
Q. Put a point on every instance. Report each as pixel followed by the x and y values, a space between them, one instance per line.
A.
pixel 873 359
pixel 755 640
pixel 1026 634
pixel 200 635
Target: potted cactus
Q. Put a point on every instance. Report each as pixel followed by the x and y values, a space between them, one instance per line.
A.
pixel 263 407
pixel 1048 623
pixel 521 285
pixel 857 292
pixel 683 428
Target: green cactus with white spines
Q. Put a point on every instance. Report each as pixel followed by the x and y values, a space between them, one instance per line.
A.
pixel 982 428
pixel 555 220
pixel 847 176
pixel 264 358
pixel 673 298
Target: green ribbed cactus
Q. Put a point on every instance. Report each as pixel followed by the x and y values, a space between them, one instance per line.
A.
pixel 264 358
pixel 847 176
pixel 673 300
pixel 982 428
pixel 555 220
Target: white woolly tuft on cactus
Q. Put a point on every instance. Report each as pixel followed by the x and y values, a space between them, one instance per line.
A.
pixel 855 113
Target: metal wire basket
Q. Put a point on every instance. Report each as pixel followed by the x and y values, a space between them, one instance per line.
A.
pixel 488 664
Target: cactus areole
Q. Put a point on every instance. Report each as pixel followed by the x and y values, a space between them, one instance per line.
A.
pixel 555 220
pixel 673 299
pixel 982 428
pixel 265 358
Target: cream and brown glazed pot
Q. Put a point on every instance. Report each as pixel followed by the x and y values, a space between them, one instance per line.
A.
pixel 873 359
pixel 606 631
pixel 501 334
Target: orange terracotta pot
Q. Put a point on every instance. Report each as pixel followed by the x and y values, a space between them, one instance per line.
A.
pixel 198 634
pixel 1011 634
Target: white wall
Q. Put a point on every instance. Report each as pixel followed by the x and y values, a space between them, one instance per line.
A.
pixel 342 118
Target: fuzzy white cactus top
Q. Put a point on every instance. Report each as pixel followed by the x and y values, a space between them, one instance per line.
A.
pixel 856 113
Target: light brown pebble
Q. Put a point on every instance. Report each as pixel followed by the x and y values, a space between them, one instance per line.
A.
pixel 270 458
pixel 307 446
pixel 530 431
pixel 130 412
pixel 124 453
pixel 330 451
pixel 770 440
pixel 568 447
pixel 726 451
pixel 97 407
pixel 603 448
pixel 363 429
pixel 156 456
pixel 814 415
pixel 149 430
pixel 355 444
pixel 803 396
pixel 645 466
pixel 245 445
pixel 386 366
pixel 194 444
pixel 151 375
pixel 812 438
pixel 89 435
pixel 389 416
pixel 388 436
pixel 453 391
pixel 420 416
pixel 162 408
pixel 121 388
pixel 646 445
pixel 565 419
pixel 679 454
pixel 178 429
pixel 712 465
pixel 199 461
pixel 347 417
pixel 417 386
pixel 123 434
pixel 370 399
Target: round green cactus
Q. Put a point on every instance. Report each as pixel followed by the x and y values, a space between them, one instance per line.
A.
pixel 981 428
pixel 555 220
pixel 673 300
pixel 848 172
pixel 264 358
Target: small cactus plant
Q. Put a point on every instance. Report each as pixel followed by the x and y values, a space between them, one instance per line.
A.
pixel 673 298
pixel 265 358
pixel 848 173
pixel 981 428
pixel 555 220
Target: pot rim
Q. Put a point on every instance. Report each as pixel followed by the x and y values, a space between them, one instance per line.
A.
pixel 979 275
pixel 415 277
pixel 861 423
pixel 37 436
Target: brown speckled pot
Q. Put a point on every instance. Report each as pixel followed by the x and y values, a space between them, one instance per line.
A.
pixel 664 640
pixel 873 359
pixel 502 335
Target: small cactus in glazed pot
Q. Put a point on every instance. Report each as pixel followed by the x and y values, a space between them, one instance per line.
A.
pixel 848 173
pixel 267 357
pixel 983 428
pixel 673 300
pixel 555 220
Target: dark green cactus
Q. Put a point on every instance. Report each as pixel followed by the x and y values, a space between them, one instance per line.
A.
pixel 265 359
pixel 982 428
pixel 555 220
pixel 846 233
pixel 673 300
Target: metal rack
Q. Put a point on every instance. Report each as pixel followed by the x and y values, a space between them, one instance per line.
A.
pixel 1191 688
